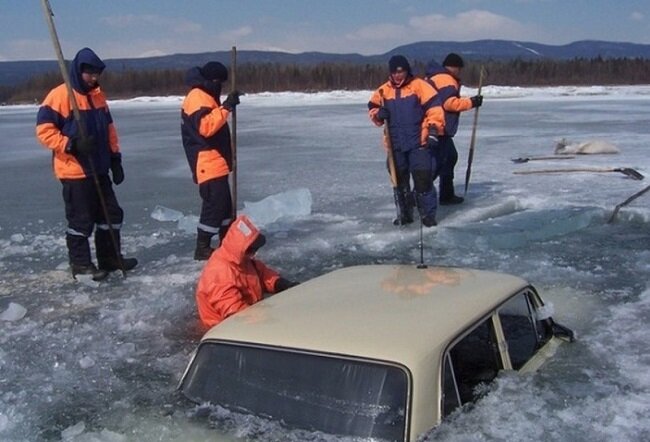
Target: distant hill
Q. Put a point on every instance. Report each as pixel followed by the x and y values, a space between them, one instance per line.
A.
pixel 506 49
pixel 13 72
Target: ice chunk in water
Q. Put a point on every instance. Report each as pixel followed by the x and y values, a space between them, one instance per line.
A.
pixel 73 431
pixel 86 362
pixel 161 213
pixel 292 203
pixel 14 312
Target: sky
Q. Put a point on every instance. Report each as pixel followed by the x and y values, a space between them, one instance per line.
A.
pixel 134 29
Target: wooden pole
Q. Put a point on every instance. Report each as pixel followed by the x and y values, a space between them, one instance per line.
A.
pixel 233 133
pixel 472 143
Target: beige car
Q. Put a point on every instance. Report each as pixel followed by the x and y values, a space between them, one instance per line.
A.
pixel 381 351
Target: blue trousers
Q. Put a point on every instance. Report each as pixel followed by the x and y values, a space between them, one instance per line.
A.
pixel 216 207
pixel 418 164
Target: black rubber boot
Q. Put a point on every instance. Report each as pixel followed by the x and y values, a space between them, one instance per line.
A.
pixel 447 195
pixel 429 221
pixel 79 255
pixel 426 202
pixel 90 269
pixel 203 248
pixel 404 201
pixel 107 259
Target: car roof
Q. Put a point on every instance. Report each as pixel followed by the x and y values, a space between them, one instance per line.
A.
pixel 393 313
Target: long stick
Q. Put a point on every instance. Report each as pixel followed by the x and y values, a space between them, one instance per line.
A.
pixel 389 146
pixel 472 142
pixel 233 134
pixel 626 202
pixel 47 10
pixel 632 173
pixel 392 170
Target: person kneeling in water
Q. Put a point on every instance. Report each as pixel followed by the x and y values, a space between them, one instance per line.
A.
pixel 233 278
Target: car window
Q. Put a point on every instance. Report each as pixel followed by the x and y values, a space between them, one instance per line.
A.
pixel 472 361
pixel 307 391
pixel 524 333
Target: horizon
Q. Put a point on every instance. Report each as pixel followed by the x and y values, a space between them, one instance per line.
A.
pixel 228 50
pixel 130 30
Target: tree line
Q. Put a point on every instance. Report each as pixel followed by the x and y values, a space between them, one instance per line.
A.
pixel 277 77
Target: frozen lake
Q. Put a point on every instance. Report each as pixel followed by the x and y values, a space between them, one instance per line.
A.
pixel 100 362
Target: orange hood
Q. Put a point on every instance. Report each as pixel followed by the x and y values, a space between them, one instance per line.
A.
pixel 241 234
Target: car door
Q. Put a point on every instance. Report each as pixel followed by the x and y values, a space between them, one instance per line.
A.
pixel 510 338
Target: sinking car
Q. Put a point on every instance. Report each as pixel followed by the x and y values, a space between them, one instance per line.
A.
pixel 378 351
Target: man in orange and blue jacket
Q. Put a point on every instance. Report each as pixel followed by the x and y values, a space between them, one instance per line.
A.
pixel 206 139
pixel 408 106
pixel 446 81
pixel 81 160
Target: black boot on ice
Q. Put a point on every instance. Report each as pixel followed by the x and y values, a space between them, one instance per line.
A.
pixel 111 264
pixel 203 248
pixel 88 269
pixel 404 201
pixel 107 259
pixel 447 195
pixel 454 199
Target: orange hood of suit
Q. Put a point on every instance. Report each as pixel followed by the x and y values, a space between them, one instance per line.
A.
pixel 232 279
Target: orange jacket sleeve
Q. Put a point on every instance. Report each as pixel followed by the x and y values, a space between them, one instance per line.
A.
pixel 213 121
pixel 55 104
pixel 375 103
pixel 268 276
pixel 458 104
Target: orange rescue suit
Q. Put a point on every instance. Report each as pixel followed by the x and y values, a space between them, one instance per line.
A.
pixel 232 279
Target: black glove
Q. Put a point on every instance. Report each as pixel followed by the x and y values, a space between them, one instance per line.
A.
pixel 477 100
pixel 81 145
pixel 232 100
pixel 433 137
pixel 283 284
pixel 383 114
pixel 117 170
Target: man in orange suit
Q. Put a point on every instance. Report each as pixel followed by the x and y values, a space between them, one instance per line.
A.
pixel 446 81
pixel 81 160
pixel 206 139
pixel 233 278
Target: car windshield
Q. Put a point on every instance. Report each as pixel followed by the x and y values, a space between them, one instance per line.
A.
pixel 303 390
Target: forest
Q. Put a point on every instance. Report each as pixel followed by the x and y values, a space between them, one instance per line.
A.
pixel 275 77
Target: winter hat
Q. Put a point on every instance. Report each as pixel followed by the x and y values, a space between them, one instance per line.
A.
pixel 398 61
pixel 453 60
pixel 213 70
pixel 257 244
